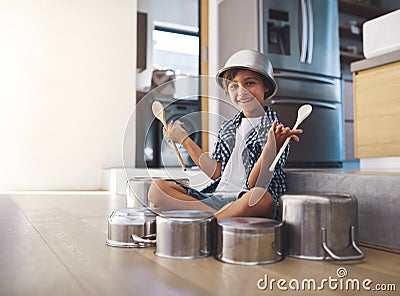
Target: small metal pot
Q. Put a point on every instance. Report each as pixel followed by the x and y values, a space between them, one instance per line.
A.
pixel 249 240
pixel 123 223
pixel 137 190
pixel 321 227
pixel 185 234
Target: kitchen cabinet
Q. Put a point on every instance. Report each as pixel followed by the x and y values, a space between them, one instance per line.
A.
pixel 377 107
pixel 352 15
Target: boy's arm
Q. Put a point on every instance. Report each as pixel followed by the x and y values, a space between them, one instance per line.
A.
pixel 208 165
pixel 260 174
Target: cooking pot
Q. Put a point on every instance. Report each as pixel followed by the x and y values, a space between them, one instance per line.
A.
pixel 125 222
pixel 185 234
pixel 321 227
pixel 137 190
pixel 249 240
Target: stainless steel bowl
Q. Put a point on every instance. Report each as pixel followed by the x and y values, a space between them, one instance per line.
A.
pixel 250 60
pixel 123 223
pixel 185 234
pixel 249 240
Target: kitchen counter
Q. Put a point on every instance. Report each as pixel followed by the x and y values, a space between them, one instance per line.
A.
pixel 54 244
pixel 375 61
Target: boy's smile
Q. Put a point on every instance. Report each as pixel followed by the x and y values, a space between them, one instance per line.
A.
pixel 246 91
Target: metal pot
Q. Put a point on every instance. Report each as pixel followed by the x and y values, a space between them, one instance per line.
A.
pixel 185 234
pixel 249 240
pixel 321 227
pixel 137 190
pixel 123 223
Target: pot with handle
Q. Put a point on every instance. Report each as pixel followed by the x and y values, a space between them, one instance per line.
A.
pixel 249 240
pixel 321 227
pixel 185 234
pixel 125 222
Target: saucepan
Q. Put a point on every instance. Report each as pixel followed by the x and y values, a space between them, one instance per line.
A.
pixel 185 234
pixel 125 222
pixel 249 240
pixel 321 227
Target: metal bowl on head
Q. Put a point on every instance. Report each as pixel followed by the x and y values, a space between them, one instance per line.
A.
pixel 249 240
pixel 125 222
pixel 250 60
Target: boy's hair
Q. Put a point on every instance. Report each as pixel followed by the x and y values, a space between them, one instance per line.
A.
pixel 231 73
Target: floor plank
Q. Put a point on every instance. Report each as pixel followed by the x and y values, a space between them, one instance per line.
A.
pixel 57 243
pixel 28 265
pixel 100 269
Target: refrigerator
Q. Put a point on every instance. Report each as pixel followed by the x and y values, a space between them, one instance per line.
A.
pixel 301 38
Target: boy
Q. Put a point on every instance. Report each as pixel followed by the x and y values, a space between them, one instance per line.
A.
pixel 241 154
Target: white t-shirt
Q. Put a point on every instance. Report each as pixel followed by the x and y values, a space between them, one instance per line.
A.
pixel 233 179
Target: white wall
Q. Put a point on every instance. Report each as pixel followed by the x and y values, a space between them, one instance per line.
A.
pixel 238 29
pixel 67 81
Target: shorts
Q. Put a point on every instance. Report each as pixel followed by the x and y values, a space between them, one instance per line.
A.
pixel 215 201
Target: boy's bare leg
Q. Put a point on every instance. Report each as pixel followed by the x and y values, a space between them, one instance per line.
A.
pixel 241 208
pixel 170 196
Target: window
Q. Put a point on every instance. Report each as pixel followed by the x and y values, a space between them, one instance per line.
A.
pixel 176 49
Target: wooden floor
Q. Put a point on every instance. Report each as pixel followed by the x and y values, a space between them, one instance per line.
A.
pixel 54 244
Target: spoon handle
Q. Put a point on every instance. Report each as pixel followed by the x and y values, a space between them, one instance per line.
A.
pixel 272 167
pixel 179 156
pixel 175 148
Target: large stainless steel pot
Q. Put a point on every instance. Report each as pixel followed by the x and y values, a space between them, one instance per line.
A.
pixel 185 234
pixel 137 190
pixel 321 227
pixel 249 240
pixel 123 223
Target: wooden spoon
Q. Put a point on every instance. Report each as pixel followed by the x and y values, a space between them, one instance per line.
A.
pixel 159 113
pixel 302 114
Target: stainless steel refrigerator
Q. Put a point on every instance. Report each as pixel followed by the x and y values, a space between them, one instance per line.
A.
pixel 301 38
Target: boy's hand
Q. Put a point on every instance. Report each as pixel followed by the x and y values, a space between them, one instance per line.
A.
pixel 281 133
pixel 176 132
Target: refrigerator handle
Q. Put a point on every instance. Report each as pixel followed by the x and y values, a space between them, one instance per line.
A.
pixel 304 77
pixel 310 32
pixel 295 101
pixel 304 37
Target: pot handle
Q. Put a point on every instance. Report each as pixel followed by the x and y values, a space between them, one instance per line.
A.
pixel 139 240
pixel 336 257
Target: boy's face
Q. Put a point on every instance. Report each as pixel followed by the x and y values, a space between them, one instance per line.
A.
pixel 246 91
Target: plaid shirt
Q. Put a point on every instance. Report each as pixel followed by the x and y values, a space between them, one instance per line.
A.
pixel 254 146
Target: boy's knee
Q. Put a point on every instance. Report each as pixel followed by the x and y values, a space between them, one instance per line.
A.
pixel 261 193
pixel 156 190
pixel 261 200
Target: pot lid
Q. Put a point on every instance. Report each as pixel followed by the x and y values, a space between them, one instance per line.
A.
pixel 249 225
